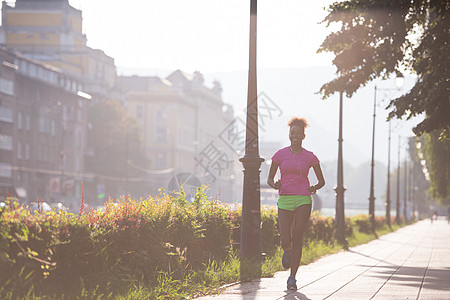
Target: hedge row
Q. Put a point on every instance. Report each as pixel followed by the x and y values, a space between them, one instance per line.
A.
pixel 129 242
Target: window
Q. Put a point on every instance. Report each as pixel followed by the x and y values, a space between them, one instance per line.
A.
pixel 161 134
pixel 32 70
pixel 27 151
pixel 5 170
pixel 5 142
pixel 19 150
pixel 27 122
pixel 19 120
pixel 6 86
pixel 6 114
pixel 44 125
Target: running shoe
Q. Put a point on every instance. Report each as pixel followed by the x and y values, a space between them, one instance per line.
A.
pixel 291 283
pixel 286 260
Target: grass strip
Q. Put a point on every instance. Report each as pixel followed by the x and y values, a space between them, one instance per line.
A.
pixel 218 275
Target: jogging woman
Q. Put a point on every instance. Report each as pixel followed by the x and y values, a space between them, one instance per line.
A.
pixel 294 189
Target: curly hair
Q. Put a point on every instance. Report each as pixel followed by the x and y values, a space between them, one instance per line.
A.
pixel 296 121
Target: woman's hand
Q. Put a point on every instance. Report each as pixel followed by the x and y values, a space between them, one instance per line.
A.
pixel 312 189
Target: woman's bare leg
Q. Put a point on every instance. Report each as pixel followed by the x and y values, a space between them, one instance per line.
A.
pixel 285 223
pixel 301 218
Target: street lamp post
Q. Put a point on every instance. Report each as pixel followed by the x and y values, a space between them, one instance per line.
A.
pixel 340 189
pixel 399 80
pixel 397 207
pixel 405 193
pixel 388 192
pixel 412 189
pixel 250 244
pixel 372 165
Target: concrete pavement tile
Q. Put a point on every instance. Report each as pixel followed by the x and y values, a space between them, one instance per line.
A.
pixel 391 267
pixel 437 294
pixel 396 292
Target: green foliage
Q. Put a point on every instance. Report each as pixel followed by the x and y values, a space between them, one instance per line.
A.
pixel 127 244
pixel 160 248
pixel 320 229
pixel 27 247
pixel 363 223
pixel 377 38
pixel 437 157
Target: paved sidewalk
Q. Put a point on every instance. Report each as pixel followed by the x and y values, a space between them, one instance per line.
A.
pixel 411 263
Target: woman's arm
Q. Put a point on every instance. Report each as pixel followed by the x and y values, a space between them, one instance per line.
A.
pixel 319 175
pixel 271 176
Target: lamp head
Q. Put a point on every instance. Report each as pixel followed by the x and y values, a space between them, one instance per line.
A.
pixel 399 80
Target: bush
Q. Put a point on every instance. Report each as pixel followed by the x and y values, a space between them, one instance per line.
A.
pixel 363 223
pixel 27 246
pixel 127 243
pixel 319 228
pixel 131 243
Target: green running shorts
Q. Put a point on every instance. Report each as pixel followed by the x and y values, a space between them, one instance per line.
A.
pixel 291 202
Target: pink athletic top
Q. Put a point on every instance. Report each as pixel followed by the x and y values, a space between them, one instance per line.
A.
pixel 294 169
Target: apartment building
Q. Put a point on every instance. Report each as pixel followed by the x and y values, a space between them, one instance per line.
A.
pixel 51 31
pixel 42 131
pixel 182 120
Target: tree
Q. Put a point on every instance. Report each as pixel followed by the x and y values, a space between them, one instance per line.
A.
pixel 437 157
pixel 381 37
pixel 115 139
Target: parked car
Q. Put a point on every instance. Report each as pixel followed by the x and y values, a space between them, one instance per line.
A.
pixel 41 207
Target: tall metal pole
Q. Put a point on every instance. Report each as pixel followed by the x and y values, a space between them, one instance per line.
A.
pixel 250 245
pixel 340 189
pixel 412 189
pixel 397 208
pixel 405 193
pixel 372 166
pixel 388 192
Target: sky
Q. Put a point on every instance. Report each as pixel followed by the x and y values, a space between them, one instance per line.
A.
pixel 155 38
pixel 205 35
pixel 212 36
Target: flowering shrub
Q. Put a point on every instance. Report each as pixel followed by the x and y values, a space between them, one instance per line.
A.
pixel 362 222
pixel 319 228
pixel 27 246
pixel 129 243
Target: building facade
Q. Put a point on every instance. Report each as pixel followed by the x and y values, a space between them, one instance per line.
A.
pixel 182 119
pixel 51 31
pixel 42 131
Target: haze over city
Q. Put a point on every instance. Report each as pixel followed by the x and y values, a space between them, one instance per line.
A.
pixel 162 36
pixel 173 149
pixel 211 36
pixel 155 38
